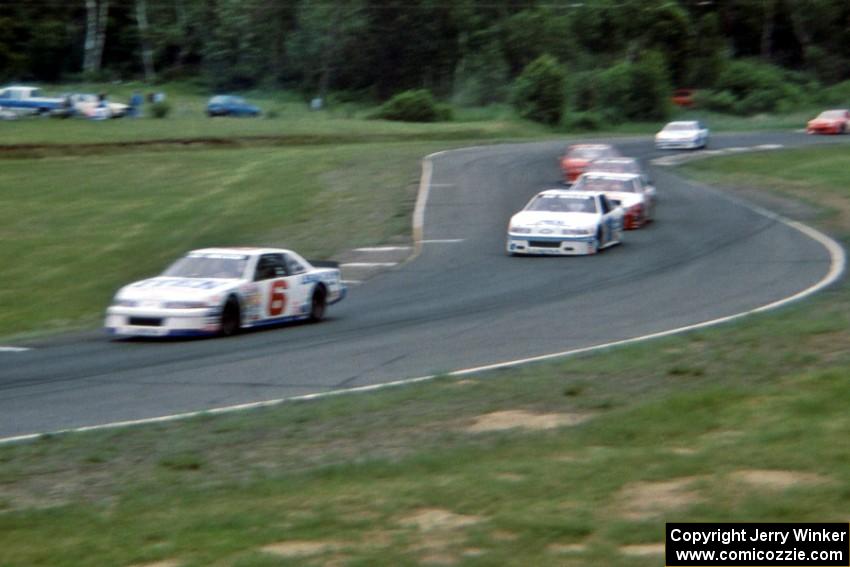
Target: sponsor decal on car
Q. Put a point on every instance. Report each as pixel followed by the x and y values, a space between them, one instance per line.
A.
pixel 190 283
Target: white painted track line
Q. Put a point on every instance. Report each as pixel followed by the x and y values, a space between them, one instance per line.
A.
pixel 382 249
pixel 368 264
pixel 13 349
pixel 443 241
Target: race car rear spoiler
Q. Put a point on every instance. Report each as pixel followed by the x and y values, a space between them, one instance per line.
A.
pixel 324 263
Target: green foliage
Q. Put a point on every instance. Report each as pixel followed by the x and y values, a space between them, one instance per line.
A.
pixel 755 88
pixel 589 121
pixel 836 94
pixel 538 93
pixel 413 106
pixel 828 67
pixel 669 31
pixel 708 55
pixel 160 109
pixel 635 91
pixel 722 101
pixel 482 75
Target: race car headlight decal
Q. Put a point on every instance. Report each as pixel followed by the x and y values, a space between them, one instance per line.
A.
pixel 124 303
pixel 520 230
pixel 185 304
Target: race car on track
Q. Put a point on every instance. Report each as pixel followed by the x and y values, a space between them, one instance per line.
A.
pixel 627 190
pixel 829 122
pixel 223 290
pixel 565 222
pixel 684 134
pixel 618 165
pixel 578 156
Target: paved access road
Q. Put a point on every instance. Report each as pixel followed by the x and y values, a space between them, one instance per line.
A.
pixel 461 303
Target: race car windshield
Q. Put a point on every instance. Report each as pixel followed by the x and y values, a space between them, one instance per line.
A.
pixel 602 184
pixel 613 167
pixel 207 267
pixel 679 127
pixel 563 204
pixel 585 153
pixel 832 114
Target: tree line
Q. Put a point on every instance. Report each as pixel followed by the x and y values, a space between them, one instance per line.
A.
pixel 466 49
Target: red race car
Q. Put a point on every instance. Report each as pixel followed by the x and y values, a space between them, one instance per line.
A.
pixel 578 157
pixel 829 122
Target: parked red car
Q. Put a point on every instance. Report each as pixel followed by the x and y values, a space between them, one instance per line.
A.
pixel 685 98
pixel 829 122
pixel 578 157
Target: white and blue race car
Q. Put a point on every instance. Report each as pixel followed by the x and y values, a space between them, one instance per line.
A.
pixel 683 134
pixel 565 222
pixel 223 290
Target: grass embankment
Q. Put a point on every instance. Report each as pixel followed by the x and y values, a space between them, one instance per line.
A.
pixel 746 422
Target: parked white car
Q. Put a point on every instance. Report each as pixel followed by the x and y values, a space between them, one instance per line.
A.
pixel 685 134
pixel 223 290
pixel 565 222
pixel 89 105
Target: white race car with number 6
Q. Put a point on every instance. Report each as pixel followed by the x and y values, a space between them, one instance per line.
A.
pixel 564 222
pixel 223 290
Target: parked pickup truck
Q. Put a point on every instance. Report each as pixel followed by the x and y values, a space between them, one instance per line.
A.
pixel 29 100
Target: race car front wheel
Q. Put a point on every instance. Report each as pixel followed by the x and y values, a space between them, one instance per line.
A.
pixel 318 304
pixel 230 318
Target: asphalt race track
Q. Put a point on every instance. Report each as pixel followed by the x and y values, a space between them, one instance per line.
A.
pixel 457 305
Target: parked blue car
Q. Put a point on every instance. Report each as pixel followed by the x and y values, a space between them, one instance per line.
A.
pixel 228 105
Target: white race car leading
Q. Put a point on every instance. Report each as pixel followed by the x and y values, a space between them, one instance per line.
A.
pixel 684 134
pixel 565 222
pixel 223 290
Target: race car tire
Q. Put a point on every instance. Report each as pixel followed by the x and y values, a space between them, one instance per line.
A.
pixel 318 304
pixel 231 317
pixel 598 243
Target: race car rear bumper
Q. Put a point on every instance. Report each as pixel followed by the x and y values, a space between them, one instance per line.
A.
pixel 551 246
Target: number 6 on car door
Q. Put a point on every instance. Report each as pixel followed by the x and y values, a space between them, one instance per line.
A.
pixel 270 276
pixel 277 298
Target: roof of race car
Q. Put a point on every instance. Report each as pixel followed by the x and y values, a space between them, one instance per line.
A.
pixel 591 146
pixel 607 175
pixel 615 160
pixel 246 250
pixel 569 193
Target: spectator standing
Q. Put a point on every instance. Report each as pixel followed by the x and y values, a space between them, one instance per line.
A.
pixel 136 104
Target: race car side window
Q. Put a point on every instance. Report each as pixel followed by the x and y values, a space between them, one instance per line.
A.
pixel 270 266
pixel 294 266
pixel 603 202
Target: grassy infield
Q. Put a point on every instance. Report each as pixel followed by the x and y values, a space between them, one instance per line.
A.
pixel 744 422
